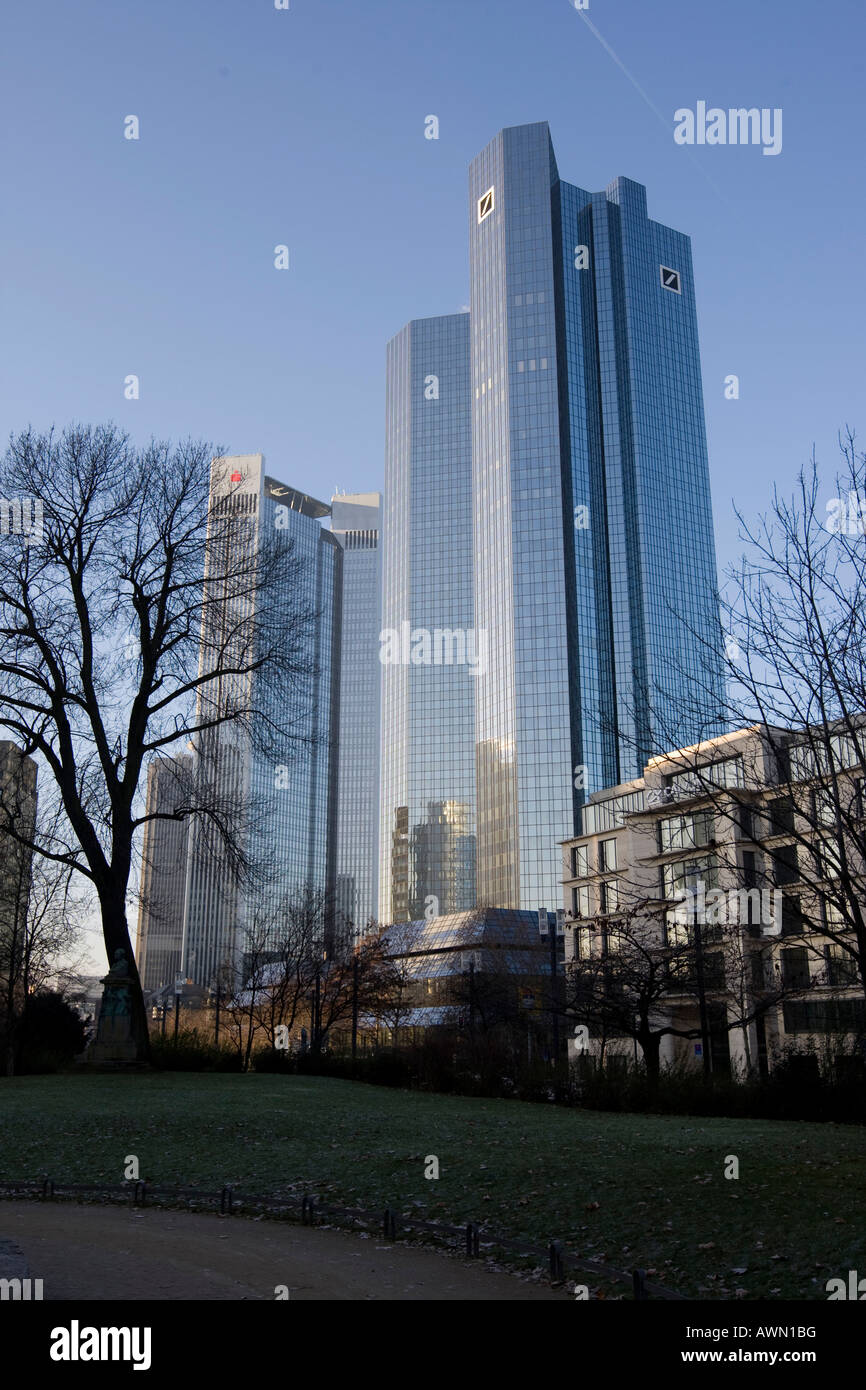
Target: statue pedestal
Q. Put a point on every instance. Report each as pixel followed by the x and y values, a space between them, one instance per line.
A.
pixel 114 1043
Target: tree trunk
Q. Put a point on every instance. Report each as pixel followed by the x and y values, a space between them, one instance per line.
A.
pixel 650 1045
pixel 115 932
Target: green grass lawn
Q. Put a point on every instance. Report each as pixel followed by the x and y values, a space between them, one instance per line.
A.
pixel 630 1190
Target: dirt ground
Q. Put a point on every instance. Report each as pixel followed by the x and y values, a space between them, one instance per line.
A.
pixel 90 1252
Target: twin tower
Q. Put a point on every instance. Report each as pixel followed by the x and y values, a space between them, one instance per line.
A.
pixel 538 614
pixel 547 493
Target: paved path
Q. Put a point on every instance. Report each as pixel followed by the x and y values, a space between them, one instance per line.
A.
pixel 90 1252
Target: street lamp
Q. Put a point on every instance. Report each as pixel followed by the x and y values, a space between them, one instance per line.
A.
pixel 550 922
pixel 179 983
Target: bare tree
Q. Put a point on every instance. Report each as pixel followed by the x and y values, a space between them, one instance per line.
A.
pixel 290 948
pixel 114 650
pixel 365 980
pixel 642 975
pixel 39 923
pixel 397 996
pixel 795 615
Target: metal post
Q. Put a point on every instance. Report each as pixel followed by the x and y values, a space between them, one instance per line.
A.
pixel 472 995
pixel 702 1002
pixel 176 1014
pixel 316 1007
pixel 355 1004
pixel 216 1031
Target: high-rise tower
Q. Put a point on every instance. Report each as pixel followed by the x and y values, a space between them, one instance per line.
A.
pixel 431 659
pixel 592 553
pixel 355 522
pixel 163 873
pixel 594 556
pixel 276 765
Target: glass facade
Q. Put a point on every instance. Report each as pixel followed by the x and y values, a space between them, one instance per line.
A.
pixel 430 652
pixel 492 938
pixel 594 557
pixel 163 874
pixel 289 792
pixel 355 521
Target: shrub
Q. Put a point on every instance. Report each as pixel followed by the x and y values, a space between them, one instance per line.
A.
pixel 190 1052
pixel 52 1033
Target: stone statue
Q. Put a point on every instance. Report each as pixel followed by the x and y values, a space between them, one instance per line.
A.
pixel 116 998
pixel 114 1041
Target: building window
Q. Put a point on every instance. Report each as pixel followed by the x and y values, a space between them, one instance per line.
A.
pixel 686 832
pixel 580 903
pixel 825 1016
pixel 747 823
pixel 828 855
pixel 750 872
pixel 606 855
pixel 795 967
pixel 609 893
pixel 823 810
pixel 580 861
pixel 832 914
pixel 728 772
pixel 687 875
pixel 780 816
pixel 793 922
pixel 583 943
pixel 759 982
pixel 841 967
pixel 786 864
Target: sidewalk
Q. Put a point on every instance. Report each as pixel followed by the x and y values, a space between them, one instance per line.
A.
pixel 92 1252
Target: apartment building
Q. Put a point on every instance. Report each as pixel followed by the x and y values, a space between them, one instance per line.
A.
pixel 735 869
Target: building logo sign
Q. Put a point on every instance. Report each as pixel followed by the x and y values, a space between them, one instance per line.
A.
pixel 670 279
pixel 485 205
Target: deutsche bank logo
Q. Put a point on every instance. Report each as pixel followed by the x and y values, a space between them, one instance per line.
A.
pixel 485 205
pixel 670 279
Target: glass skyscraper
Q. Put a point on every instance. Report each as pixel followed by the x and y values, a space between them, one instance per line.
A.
pixel 430 654
pixel 355 522
pixel 592 555
pixel 290 792
pixel 164 858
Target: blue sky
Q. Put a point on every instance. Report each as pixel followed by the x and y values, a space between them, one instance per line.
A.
pixel 306 127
